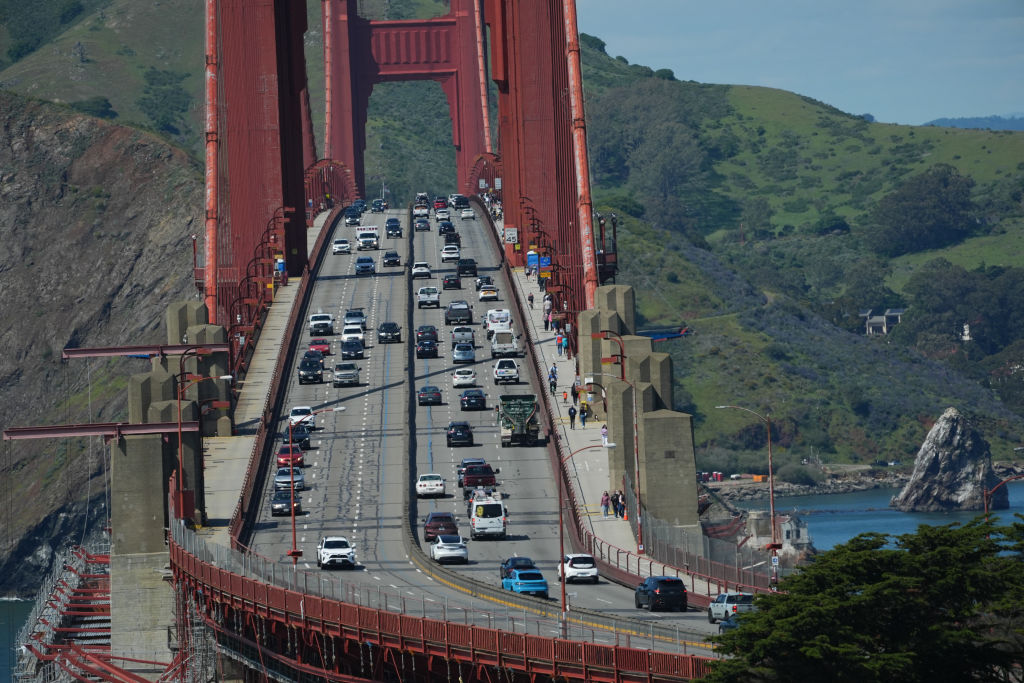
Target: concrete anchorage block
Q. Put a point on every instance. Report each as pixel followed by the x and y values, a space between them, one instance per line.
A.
pixel 621 300
pixel 182 315
pixel 668 473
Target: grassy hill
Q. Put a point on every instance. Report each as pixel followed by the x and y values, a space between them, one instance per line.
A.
pixel 748 214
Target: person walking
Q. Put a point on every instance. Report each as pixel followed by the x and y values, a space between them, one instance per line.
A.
pixel 553 371
pixel 615 504
pixel 572 417
pixel 547 321
pixel 584 414
pixel 565 346
pixel 558 343
pixel 604 435
pixel 605 502
pixel 529 299
pixel 575 393
pixel 551 383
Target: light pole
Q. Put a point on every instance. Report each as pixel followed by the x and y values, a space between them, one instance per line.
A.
pixel 184 382
pixel 617 338
pixel 561 525
pixel 295 553
pixel 636 457
pixel 774 545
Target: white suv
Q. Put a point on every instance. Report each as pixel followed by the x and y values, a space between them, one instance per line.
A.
pixel 335 551
pixel 341 247
pixel 450 252
pixel 350 332
pixel 506 370
pixel 578 567
pixel 420 269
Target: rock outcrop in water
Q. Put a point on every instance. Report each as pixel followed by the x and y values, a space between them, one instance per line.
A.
pixel 952 470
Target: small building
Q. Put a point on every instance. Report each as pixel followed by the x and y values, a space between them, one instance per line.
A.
pixel 881 324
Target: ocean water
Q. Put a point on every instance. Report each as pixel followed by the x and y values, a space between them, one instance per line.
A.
pixel 835 519
pixel 12 617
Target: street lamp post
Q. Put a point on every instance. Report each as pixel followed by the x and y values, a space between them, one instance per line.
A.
pixel 184 382
pixel 775 545
pixel 636 459
pixel 295 553
pixel 561 525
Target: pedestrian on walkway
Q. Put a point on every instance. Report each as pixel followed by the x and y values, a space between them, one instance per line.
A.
pixel 547 304
pixel 565 397
pixel 604 435
pixel 622 505
pixel 605 502
pixel 550 321
pixel 529 298
pixel 572 417
pixel 584 413
pixel 615 504
pixel 551 383
pixel 527 273
pixel 558 343
pixel 547 321
pixel 575 392
pixel 565 345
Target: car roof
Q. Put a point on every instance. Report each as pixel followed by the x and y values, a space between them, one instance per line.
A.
pixel 472 461
pixel 347 365
pixel 301 410
pixel 458 423
pixel 441 515
pixel 473 392
pixel 429 387
pixel 432 475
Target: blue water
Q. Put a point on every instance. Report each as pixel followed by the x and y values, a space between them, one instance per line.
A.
pixel 837 518
pixel 12 617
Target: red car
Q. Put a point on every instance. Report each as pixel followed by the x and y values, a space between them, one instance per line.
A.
pixel 321 345
pixel 440 203
pixel 290 454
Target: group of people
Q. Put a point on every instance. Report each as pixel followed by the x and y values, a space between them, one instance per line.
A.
pixel 616 501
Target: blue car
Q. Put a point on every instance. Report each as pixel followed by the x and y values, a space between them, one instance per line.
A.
pixel 528 581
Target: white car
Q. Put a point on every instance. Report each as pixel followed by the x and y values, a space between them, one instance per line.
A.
pixel 578 567
pixel 488 294
pixel 449 548
pixel 341 247
pixel 421 269
pixel 335 551
pixel 442 214
pixel 464 377
pixel 467 213
pixel 430 485
pixel 450 252
pixel 301 414
pixel 350 332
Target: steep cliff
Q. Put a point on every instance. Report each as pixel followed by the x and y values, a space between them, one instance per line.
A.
pixel 96 221
pixel 952 470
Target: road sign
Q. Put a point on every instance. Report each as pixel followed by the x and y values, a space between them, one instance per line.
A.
pixel 775 560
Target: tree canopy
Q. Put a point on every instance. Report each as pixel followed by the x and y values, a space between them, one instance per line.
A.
pixel 943 604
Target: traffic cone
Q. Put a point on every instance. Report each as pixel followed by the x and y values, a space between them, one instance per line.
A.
pixel 625 516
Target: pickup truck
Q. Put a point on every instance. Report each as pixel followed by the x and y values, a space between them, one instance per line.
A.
pixel 428 296
pixel 458 313
pixel 506 370
pixel 321 324
pixel 477 476
pixel 727 604
pixel 504 343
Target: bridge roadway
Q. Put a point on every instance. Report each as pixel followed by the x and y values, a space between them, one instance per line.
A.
pixel 355 469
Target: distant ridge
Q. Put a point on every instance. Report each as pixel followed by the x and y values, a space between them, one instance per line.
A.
pixel 982 122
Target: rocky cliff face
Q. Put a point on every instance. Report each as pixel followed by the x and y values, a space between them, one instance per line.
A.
pixel 96 221
pixel 952 470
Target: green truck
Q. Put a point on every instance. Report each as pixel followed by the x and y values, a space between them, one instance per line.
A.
pixel 518 420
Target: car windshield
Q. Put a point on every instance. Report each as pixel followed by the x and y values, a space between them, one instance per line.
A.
pixel 581 561
pixel 431 478
pixel 530 576
pixel 479 469
pixel 449 539
pixel 336 543
pixel 488 510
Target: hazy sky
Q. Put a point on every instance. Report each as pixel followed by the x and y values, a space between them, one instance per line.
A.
pixel 903 61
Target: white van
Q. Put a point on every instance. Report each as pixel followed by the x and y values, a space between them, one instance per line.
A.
pixel 487 515
pixel 498 319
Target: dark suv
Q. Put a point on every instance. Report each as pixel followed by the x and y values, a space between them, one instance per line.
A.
pixel 310 370
pixel 393 227
pixel 661 592
pixel 459 434
pixel 438 524
pixel 388 333
pixel 466 266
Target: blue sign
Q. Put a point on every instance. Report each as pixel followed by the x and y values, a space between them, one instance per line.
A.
pixel 545 262
pixel 531 259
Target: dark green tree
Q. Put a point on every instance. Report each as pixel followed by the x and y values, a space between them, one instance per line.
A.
pixel 927 211
pixel 941 604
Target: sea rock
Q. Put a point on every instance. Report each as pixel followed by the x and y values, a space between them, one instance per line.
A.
pixel 952 471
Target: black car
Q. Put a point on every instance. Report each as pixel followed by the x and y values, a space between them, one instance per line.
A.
pixel 281 503
pixel 515 563
pixel 484 280
pixel 661 592
pixel 377 206
pixel 426 349
pixel 459 434
pixel 353 348
pixel 314 355
pixel 451 281
pixel 391 258
pixel 393 228
pixel 421 224
pixel 445 227
pixel 453 238
pixel 466 266
pixel 429 395
pixel 310 370
pixel 426 333
pixel 352 216
pixel 299 435
pixel 473 399
pixel 389 333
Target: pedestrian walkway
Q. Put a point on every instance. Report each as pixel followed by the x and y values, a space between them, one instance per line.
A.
pixel 587 460
pixel 226 458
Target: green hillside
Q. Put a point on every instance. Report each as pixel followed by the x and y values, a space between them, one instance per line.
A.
pixel 764 220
